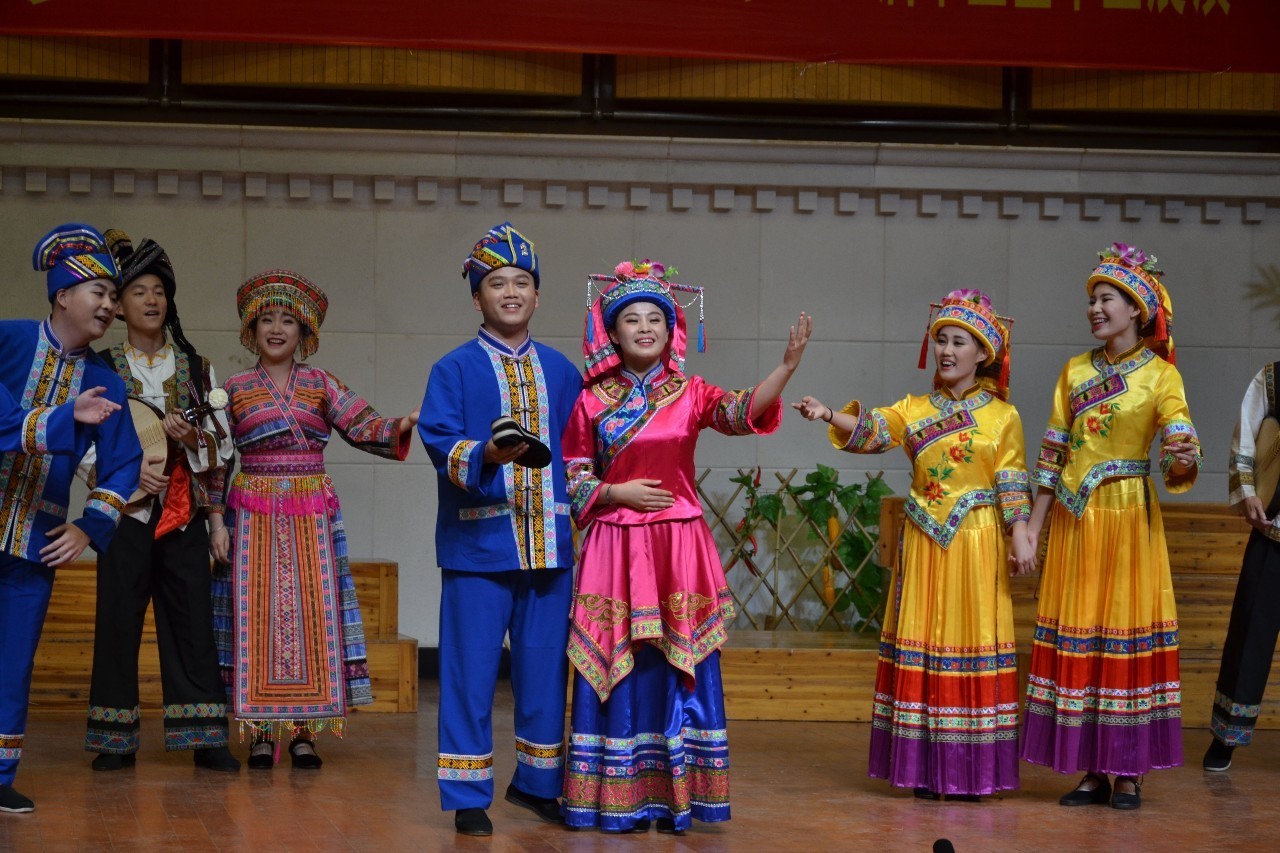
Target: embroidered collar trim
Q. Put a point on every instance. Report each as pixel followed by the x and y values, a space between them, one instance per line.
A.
pixel 46 329
pixel 488 339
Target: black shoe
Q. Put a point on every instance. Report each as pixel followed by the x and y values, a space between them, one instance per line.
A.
pixel 114 760
pixel 667 826
pixel 304 754
pixel 1088 796
pixel 639 827
pixel 963 798
pixel 472 822
pixel 1218 757
pixel 12 801
pixel 507 432
pixel 217 758
pixel 262 755
pixel 1121 800
pixel 546 809
pixel 926 794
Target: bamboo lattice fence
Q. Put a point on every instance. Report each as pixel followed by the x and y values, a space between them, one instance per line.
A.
pixel 789 570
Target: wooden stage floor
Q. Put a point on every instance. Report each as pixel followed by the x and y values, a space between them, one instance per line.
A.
pixel 796 787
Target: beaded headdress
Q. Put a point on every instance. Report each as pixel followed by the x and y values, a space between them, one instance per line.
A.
pixel 287 290
pixel 503 246
pixel 72 254
pixel 972 311
pixel 1136 274
pixel 636 281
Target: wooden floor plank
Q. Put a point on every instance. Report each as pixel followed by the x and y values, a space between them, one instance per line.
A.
pixel 796 786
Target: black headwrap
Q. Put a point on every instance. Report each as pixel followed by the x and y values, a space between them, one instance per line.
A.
pixel 151 258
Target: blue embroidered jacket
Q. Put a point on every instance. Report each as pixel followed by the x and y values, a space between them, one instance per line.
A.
pixel 499 518
pixel 42 444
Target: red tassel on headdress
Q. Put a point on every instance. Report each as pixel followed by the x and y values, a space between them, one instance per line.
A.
pixel 1004 372
pixel 924 352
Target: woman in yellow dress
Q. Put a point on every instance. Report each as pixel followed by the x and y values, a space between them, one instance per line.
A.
pixel 1104 694
pixel 945 720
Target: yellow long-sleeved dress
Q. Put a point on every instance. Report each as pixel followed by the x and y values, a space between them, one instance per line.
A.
pixel 1104 693
pixel 946 704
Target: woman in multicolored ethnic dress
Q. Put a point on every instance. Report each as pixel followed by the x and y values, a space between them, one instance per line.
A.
pixel 945 719
pixel 651 604
pixel 1104 694
pixel 287 590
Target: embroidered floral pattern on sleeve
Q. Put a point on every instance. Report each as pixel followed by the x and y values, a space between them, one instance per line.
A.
pixel 1013 494
pixel 108 503
pixel 1052 458
pixel 460 462
pixel 869 435
pixel 35 431
pixel 733 413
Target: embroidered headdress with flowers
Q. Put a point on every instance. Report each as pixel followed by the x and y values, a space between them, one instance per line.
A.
pixel 636 281
pixel 972 311
pixel 287 290
pixel 1137 275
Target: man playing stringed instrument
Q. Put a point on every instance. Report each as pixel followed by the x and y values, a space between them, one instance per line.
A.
pixel 65 400
pixel 161 551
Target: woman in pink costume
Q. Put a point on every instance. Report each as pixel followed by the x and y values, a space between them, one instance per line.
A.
pixel 649 615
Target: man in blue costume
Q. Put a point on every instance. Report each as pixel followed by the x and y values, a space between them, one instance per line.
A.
pixel 503 540
pixel 67 399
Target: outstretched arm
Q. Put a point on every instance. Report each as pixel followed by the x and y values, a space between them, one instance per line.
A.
pixel 813 409
pixel 771 387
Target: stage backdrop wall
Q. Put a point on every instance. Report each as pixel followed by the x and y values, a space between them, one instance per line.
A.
pixel 862 236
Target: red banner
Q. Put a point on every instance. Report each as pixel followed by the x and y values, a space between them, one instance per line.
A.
pixel 1187 35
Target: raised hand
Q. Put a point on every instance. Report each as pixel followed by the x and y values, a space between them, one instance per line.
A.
pixel 797 340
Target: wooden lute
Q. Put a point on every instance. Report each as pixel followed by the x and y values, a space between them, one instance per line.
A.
pixel 148 421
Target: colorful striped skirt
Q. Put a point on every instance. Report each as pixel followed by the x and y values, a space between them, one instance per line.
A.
pixel 286 617
pixel 656 749
pixel 1104 693
pixel 946 703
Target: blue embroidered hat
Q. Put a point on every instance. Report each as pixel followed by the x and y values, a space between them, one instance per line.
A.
pixel 635 281
pixel 72 254
pixel 503 246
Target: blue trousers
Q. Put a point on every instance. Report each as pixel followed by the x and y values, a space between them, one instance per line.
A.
pixel 478 609
pixel 24 599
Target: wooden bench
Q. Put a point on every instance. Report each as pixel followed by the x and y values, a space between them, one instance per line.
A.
pixel 781 675
pixel 65 657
